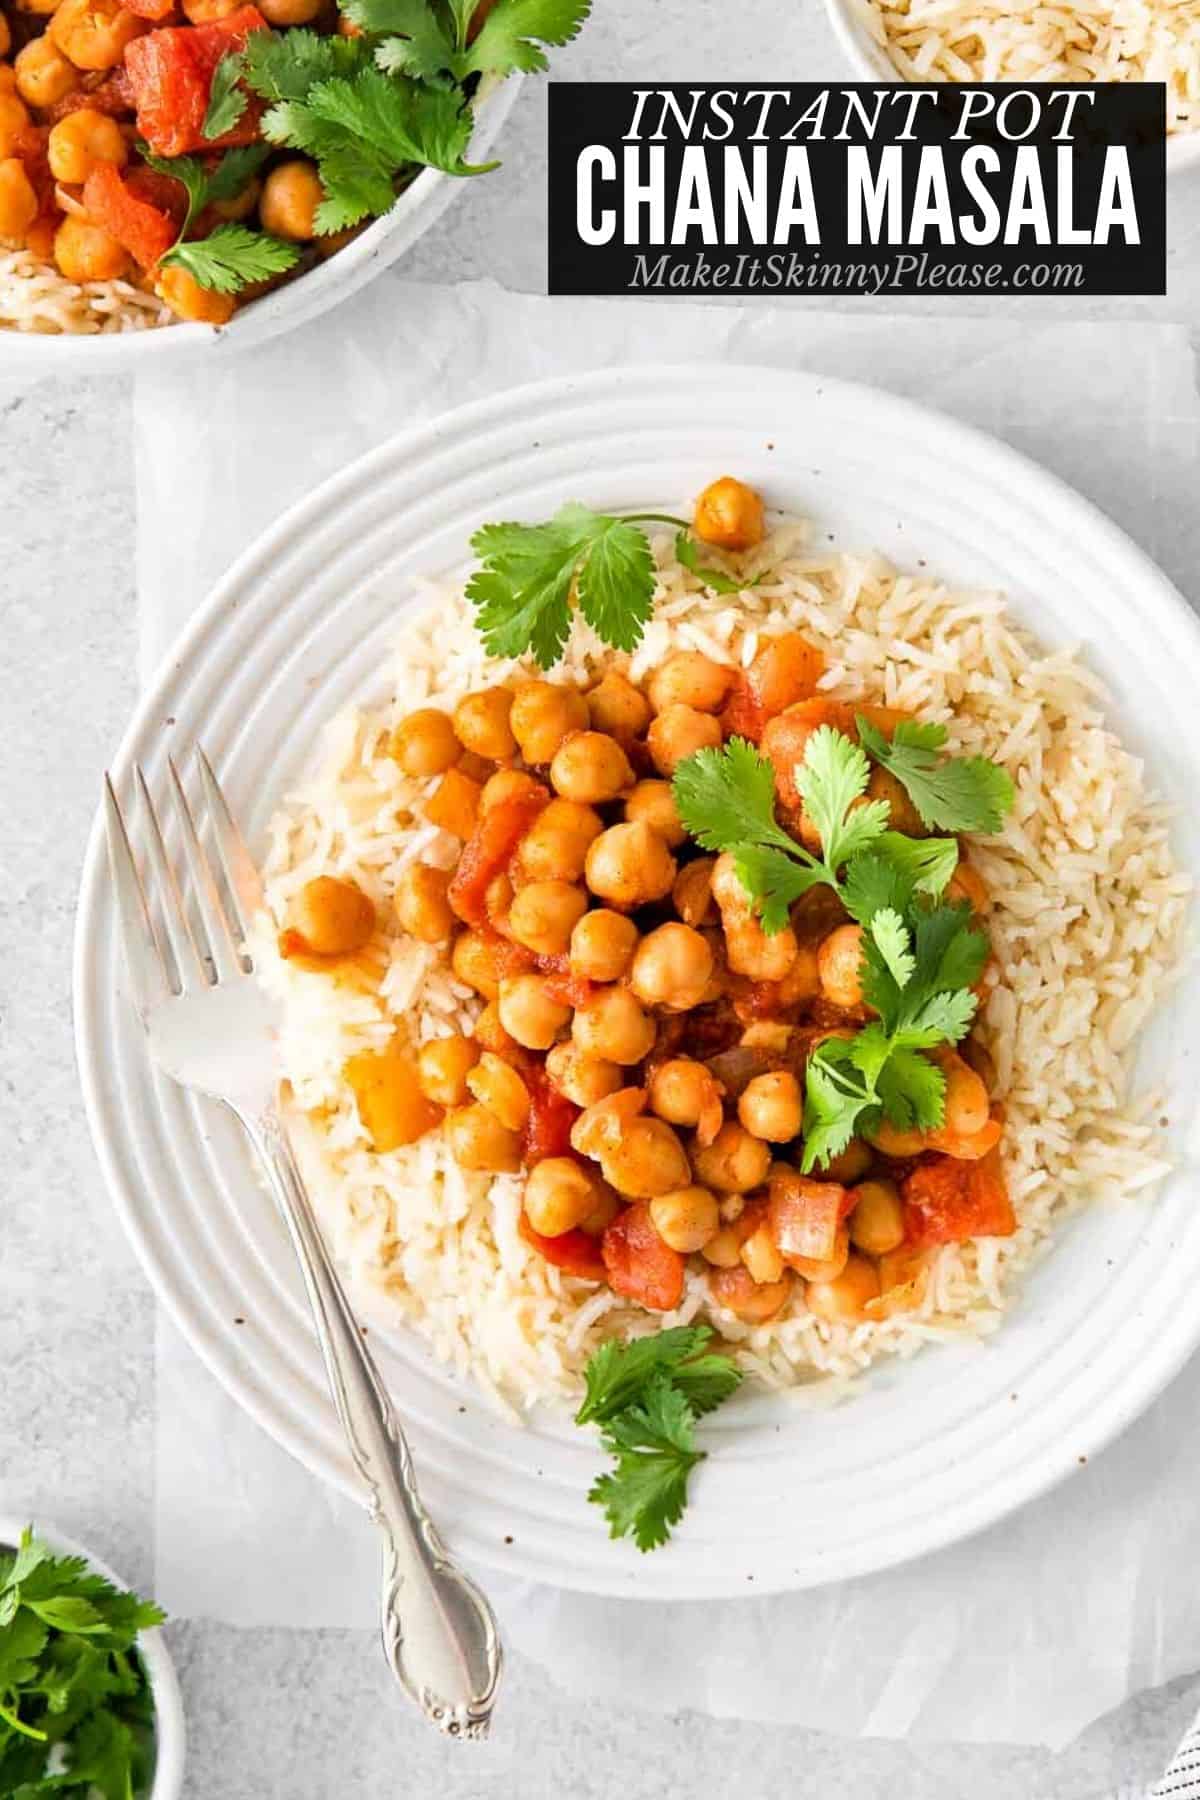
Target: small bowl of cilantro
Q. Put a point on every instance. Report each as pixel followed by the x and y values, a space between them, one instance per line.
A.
pixel 220 179
pixel 89 1703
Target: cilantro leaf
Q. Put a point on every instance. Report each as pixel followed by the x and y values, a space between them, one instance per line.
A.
pixel 959 793
pixel 654 1450
pixel 726 798
pixel 912 1090
pixel 513 32
pixel 951 952
pixel 233 256
pixel 706 1381
pixel 891 939
pixel 617 1372
pixel 834 774
pixel 284 65
pixel 836 1097
pixel 522 594
pixel 687 552
pixel 415 44
pixel 226 101
pixel 398 121
pixel 203 184
pixel 775 881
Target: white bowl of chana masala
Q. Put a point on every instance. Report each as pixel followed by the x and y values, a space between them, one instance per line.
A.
pixel 722 971
pixel 236 168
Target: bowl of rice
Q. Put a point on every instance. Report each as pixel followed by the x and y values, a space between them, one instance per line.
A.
pixel 996 40
pixel 937 571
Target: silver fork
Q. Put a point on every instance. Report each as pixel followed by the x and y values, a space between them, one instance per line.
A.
pixel 210 1026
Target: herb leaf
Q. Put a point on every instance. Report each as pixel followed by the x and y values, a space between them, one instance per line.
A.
pixel 687 552
pixel 232 256
pixel 285 65
pixel 957 793
pixel 513 32
pixel 226 101
pixel 618 1372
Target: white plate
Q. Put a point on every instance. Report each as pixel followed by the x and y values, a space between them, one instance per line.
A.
pixel 871 62
pixel 35 355
pixel 939 1446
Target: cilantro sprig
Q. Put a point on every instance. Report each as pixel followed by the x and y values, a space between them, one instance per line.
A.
pixel 431 41
pixel 76 1713
pixel 955 793
pixel 646 1396
pixel 232 255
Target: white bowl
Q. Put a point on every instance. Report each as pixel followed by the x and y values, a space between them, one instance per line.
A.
pixel 170 1734
pixel 34 355
pixel 934 1448
pixel 871 62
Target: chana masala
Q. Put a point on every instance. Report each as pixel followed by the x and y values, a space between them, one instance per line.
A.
pixel 649 1020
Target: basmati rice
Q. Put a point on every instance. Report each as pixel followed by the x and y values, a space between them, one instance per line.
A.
pixel 35 297
pixel 1088 908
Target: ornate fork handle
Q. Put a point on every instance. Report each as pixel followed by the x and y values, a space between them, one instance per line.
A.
pixel 438 1630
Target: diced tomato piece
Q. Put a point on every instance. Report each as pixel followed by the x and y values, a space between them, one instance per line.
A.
pixel 163 191
pixel 785 670
pixel 804 1215
pixel 947 1200
pixel 171 73
pixel 551 1116
pixel 574 1252
pixel 509 957
pixel 113 95
pixel 969 1148
pixel 640 1265
pixel 562 984
pixel 487 851
pixel 743 716
pixel 145 231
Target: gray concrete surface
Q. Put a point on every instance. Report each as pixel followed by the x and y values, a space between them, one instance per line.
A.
pixel 310 1716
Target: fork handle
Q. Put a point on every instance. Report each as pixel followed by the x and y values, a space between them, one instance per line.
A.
pixel 439 1633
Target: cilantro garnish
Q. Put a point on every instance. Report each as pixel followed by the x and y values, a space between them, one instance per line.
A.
pixel 76 1713
pixel 687 552
pixel 522 594
pixel 226 100
pixel 431 43
pixel 646 1396
pixel 955 793
pixel 233 256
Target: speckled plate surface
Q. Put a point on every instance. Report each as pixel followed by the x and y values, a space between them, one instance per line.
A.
pixel 935 1448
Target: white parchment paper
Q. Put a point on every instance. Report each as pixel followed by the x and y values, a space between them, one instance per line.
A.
pixel 1022 1635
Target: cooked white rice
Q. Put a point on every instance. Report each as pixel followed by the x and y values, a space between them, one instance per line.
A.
pixel 1088 909
pixel 35 297
pixel 1046 40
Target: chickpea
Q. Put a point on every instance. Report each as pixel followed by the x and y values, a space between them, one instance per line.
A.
pixel 761 1257
pixel 509 784
pixel 686 1219
pixel 528 1013
pixel 630 865
pixel 560 1194
pixel 490 1034
pixel 754 1303
pixel 785 669
pixel 421 904
pixel 617 707
pixel 877 1222
pixel 81 141
pixel 424 742
pixel 240 205
pixel 443 1065
pixel 43 73
pixel 686 1093
pixel 672 968
pixel 614 1027
pixel 849 1166
pixel 188 300
pixel 724 1249
pixel 678 733
pixel 839 964
pixel 94 34
pixel 734 1162
pixel 772 1107
pixel 967 1105
pixel 748 948
pixel 543 712
pixel 583 1079
pixel 590 768
pixel 556 846
pixel 14 121
pixel 653 802
pixel 968 884
pixel 479 1141
pixel 333 916
pixel 646 1160
pixel 730 515
pixel 607 1206
pixel 601 1125
pixel 18 200
pixel 692 895
pixel 496 1085
pixel 392 1106
pixel 291 195
pixel 454 804
pixel 207 12
pixel 473 960
pixel 481 721
pixel 602 945
pixel 543 915
pixel 290 12
pixel 842 1300
pixel 83 252
pixel 689 679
